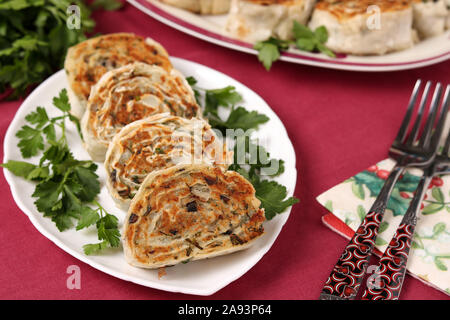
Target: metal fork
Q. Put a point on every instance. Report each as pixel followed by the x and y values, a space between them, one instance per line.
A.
pixel 391 270
pixel 346 276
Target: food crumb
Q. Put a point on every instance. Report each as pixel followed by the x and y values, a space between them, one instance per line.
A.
pixel 161 272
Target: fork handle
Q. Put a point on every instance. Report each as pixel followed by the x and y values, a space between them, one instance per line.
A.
pixel 388 278
pixel 345 279
pixel 390 274
pixel 346 276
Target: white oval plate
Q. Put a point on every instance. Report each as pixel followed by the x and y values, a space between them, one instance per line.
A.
pixel 202 277
pixel 211 28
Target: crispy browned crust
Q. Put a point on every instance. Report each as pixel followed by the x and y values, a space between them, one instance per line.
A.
pixel 154 144
pixel 109 52
pixel 168 222
pixel 119 113
pixel 346 9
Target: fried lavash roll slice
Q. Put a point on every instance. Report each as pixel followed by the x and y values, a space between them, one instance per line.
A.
pixel 87 61
pixel 354 28
pixel 131 93
pixel 257 20
pixel 157 143
pixel 430 17
pixel 447 22
pixel 190 212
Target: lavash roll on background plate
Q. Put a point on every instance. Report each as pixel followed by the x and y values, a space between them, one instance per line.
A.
pixel 257 20
pixel 190 212
pixel 447 24
pixel 130 93
pixel 87 61
pixel 430 17
pixel 349 31
pixel 157 143
pixel 201 6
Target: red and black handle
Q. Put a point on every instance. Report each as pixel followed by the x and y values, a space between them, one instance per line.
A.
pixel 345 279
pixel 388 278
pixel 346 276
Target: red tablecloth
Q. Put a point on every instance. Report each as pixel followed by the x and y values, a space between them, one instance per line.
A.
pixel 339 122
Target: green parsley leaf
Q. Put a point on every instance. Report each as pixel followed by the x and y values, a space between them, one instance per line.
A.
pixel 89 180
pixel 19 168
pixel 224 97
pixel 48 194
pixel 267 54
pixel 272 196
pixel 38 117
pixel 191 80
pixel 302 32
pixel 39 173
pixel 239 118
pixel 76 121
pixel 63 221
pixel 62 101
pixel 88 217
pixel 308 40
pixel 325 50
pixel 50 132
pixel 31 141
pixel 321 34
pixel 94 248
pixel 269 50
pixel 108 230
pixel 306 44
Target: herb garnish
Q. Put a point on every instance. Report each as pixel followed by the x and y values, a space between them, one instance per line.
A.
pixel 271 194
pixel 34 38
pixel 304 39
pixel 65 186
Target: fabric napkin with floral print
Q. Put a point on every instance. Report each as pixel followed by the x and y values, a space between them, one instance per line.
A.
pixel 429 258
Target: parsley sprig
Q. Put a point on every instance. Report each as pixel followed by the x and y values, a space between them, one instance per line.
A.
pixel 212 99
pixel 66 187
pixel 273 196
pixel 34 38
pixel 304 39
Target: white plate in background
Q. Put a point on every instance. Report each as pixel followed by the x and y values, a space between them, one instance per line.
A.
pixel 211 28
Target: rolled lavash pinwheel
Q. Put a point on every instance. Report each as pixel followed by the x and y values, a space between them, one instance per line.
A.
pixel 131 93
pixel 190 212
pixel 157 143
pixel 89 60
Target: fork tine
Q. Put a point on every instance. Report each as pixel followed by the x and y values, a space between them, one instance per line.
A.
pixel 415 130
pixel 446 147
pixel 425 138
pixel 405 124
pixel 446 105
